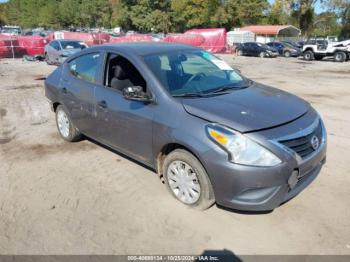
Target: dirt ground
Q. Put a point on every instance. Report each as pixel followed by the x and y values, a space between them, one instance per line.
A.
pixel 61 198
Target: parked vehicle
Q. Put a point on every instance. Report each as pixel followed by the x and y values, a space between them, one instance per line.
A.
pixel 285 49
pixel 214 135
pixel 319 49
pixel 256 49
pixel 11 30
pixel 57 51
pixel 298 45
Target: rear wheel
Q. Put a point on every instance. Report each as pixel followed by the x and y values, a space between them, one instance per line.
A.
pixel 339 57
pixel 187 180
pixel 308 55
pixel 287 54
pixel 65 126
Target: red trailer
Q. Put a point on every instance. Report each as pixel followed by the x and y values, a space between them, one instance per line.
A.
pixel 214 38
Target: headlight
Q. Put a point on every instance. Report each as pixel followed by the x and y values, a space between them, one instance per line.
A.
pixel 241 149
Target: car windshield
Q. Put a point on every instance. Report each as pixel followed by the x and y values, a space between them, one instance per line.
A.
pixel 72 45
pixel 194 73
pixel 288 45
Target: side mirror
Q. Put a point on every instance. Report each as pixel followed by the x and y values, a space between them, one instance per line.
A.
pixel 136 93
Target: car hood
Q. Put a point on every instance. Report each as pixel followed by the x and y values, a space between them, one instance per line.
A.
pixel 245 110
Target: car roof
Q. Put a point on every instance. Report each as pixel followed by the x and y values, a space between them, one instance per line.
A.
pixel 145 48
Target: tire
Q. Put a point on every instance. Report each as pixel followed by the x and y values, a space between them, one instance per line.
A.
pixel 308 55
pixel 239 52
pixel 262 54
pixel 47 59
pixel 65 127
pixel 201 194
pixel 287 54
pixel 339 57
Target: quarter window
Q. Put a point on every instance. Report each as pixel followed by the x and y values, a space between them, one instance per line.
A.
pixel 85 67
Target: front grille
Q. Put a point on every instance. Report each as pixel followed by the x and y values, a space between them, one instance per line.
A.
pixel 303 145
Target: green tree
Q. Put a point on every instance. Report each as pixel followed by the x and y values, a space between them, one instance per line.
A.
pixel 3 14
pixel 149 15
pixel 342 9
pixel 193 13
pixel 279 13
pixel 303 11
pixel 326 24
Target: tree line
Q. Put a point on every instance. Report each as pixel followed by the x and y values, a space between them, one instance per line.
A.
pixel 179 15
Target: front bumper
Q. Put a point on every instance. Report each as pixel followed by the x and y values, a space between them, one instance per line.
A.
pixel 250 188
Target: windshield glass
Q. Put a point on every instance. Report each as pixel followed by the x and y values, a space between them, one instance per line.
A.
pixel 289 45
pixel 186 73
pixel 72 45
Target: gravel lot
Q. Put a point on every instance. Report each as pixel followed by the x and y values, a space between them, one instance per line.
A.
pixel 61 198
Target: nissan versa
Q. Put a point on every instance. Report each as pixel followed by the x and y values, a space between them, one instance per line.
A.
pixel 214 135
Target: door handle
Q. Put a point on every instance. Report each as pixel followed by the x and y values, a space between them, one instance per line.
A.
pixel 64 90
pixel 102 104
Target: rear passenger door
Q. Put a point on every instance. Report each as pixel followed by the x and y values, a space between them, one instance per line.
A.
pixel 78 91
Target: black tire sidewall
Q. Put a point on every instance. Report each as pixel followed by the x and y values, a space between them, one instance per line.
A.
pixel 206 198
pixel 287 54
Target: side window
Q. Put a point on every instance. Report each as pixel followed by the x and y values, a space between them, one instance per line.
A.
pixel 85 67
pixel 121 73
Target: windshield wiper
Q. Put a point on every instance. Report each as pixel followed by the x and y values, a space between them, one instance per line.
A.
pixel 222 89
pixel 225 88
pixel 189 95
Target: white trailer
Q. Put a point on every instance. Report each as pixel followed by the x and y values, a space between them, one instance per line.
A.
pixel 239 37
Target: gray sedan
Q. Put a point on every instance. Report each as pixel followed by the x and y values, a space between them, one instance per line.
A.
pixel 212 134
pixel 57 51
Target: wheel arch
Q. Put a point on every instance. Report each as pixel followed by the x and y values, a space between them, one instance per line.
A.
pixel 308 49
pixel 55 105
pixel 167 149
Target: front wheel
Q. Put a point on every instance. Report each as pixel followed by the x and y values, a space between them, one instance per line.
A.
pixel 47 59
pixel 65 126
pixel 239 52
pixel 262 54
pixel 308 55
pixel 339 57
pixel 187 180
